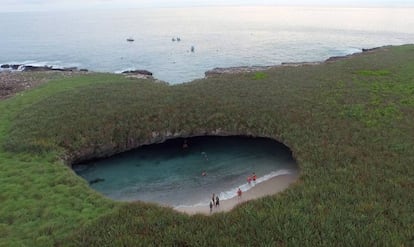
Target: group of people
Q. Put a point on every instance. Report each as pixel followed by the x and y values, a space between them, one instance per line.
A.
pixel 215 201
pixel 251 178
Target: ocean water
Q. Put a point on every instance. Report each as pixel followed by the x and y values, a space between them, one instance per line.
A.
pixel 170 175
pixel 222 37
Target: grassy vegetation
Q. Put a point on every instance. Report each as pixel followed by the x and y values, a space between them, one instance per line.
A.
pixel 349 124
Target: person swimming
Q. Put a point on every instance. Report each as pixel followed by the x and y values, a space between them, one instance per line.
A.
pixel 204 155
pixel 185 144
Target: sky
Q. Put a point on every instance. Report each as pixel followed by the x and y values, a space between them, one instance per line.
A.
pixel 53 5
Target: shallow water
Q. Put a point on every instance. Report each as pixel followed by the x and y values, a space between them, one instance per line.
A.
pixel 170 175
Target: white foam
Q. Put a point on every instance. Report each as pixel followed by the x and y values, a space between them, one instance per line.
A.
pixel 246 186
pixel 243 187
pixel 126 69
pixel 53 64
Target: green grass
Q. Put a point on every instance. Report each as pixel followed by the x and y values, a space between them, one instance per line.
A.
pixel 259 75
pixel 348 123
pixel 374 72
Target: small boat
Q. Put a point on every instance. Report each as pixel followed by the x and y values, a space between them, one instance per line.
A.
pixel 130 39
pixel 173 39
pixel 178 39
pixel 192 48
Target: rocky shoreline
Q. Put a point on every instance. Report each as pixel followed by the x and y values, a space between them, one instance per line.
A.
pixel 24 67
pixel 15 78
pixel 13 81
pixel 249 69
pixel 45 68
pixel 140 74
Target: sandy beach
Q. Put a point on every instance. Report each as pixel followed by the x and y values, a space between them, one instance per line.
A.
pixel 269 187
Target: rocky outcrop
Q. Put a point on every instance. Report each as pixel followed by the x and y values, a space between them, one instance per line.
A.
pixel 96 180
pixel 10 66
pixel 33 68
pixel 337 58
pixel 236 70
pixel 11 83
pixel 284 64
pixel 371 49
pixel 139 72
pixel 104 151
pixel 46 68
pixel 249 69
pixel 14 81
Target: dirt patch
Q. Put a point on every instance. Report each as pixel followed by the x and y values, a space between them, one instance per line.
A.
pixel 13 82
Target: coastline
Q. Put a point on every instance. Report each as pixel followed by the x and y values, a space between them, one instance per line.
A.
pixel 250 69
pixel 269 187
pixel 12 82
pixel 18 77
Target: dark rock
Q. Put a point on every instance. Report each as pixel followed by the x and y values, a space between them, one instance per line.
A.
pixel 70 69
pixel 10 66
pixel 138 72
pixel 336 58
pixel 83 70
pixel 235 70
pixel 298 64
pixel 65 69
pixel 48 68
pixel 96 180
pixel 37 68
pixel 370 49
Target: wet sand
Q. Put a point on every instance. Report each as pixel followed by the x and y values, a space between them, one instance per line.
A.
pixel 269 187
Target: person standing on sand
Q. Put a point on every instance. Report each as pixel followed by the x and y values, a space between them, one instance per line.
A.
pixel 249 179
pixel 213 198
pixel 217 202
pixel 211 207
pixel 254 177
pixel 239 193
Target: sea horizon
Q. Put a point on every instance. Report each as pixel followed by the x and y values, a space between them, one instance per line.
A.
pixel 221 36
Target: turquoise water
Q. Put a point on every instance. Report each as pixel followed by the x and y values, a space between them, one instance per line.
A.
pixel 170 175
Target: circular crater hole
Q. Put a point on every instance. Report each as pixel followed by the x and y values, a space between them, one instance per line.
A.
pixel 184 173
